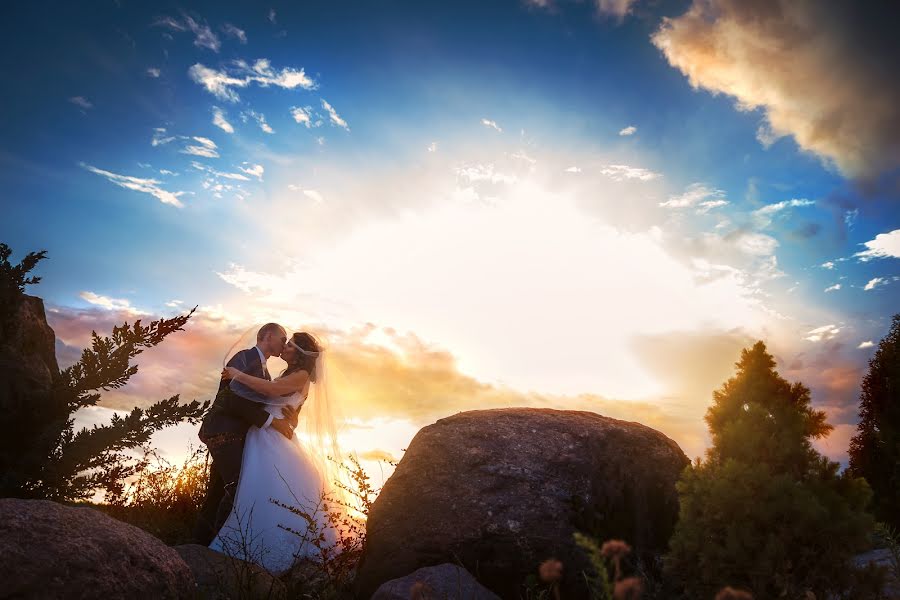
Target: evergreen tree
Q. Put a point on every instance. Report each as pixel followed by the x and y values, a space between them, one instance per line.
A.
pixel 41 454
pixel 875 449
pixel 764 510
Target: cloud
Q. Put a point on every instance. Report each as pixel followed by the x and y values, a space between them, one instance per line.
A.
pixel 477 172
pixel 615 8
pixel 866 344
pixel 630 130
pixel 314 195
pixel 885 245
pixel 833 288
pixel 201 167
pixel 828 265
pixel 763 216
pixel 694 194
pixel 623 172
pixel 153 72
pixel 235 32
pixel 255 170
pixel 203 35
pixel 206 148
pixel 824 333
pixel 810 65
pixel 81 102
pixel 108 303
pixel 147 186
pixel 491 124
pixel 219 120
pixel 240 74
pixel 160 138
pixel 272 16
pixel 707 205
pixel 259 118
pixel 302 115
pixel 875 282
pixel 334 117
pixel 432 147
pixel 573 170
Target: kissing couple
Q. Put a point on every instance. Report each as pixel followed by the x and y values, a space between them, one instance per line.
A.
pixel 259 464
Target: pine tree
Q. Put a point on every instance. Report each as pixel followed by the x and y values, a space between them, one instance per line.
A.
pixel 42 455
pixel 764 510
pixel 875 449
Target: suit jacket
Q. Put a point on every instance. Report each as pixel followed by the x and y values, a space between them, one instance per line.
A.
pixel 234 409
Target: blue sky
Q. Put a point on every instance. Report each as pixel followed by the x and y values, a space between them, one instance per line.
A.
pixel 532 157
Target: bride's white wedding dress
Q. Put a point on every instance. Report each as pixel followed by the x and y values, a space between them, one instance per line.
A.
pixel 275 468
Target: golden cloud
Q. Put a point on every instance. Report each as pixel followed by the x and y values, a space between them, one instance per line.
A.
pixel 822 71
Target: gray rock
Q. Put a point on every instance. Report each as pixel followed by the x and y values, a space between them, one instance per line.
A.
pixel 499 491
pixel 442 582
pixel 55 551
pixel 222 577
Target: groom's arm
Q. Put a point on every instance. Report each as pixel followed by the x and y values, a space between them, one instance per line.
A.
pixel 245 403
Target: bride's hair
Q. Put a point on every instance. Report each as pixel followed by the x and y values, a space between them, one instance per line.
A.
pixel 304 362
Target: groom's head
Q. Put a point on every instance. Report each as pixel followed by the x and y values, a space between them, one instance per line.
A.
pixel 271 338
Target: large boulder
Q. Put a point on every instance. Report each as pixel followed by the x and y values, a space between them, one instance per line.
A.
pixel 220 577
pixel 55 551
pixel 443 582
pixel 499 491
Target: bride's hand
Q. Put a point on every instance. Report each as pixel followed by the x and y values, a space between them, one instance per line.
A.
pixel 230 373
pixel 291 414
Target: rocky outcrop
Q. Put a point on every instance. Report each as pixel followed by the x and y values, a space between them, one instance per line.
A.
pixel 499 491
pixel 219 577
pixel 444 582
pixel 55 551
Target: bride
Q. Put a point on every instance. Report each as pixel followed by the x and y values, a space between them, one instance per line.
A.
pixel 278 472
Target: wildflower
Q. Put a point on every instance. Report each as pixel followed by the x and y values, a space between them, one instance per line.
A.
pixel 615 550
pixel 729 593
pixel 629 588
pixel 550 570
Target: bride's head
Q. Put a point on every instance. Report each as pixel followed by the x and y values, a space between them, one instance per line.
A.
pixel 300 353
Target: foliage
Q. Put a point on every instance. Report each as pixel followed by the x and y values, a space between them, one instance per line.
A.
pixel 875 449
pixel 53 460
pixel 765 511
pixel 13 279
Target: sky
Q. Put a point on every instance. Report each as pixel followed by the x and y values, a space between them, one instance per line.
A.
pixel 577 205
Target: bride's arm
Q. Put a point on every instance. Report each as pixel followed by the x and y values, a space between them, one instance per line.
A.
pixel 279 387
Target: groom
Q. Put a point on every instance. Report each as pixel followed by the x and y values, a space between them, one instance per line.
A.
pixel 225 427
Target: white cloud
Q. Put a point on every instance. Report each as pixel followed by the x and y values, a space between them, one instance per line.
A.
pixel 833 288
pixel 335 118
pixel 866 344
pixel 491 124
pixel 147 186
pixel 159 137
pixel 573 170
pixel 220 83
pixel 828 265
pixel 763 216
pixel 81 102
pixel 630 130
pixel 109 303
pixel 615 8
pixel 302 115
pixel 203 35
pixel 432 147
pixel 153 72
pixel 694 194
pixel 885 245
pixel 623 172
pixel 824 333
pixel 259 118
pixel 708 205
pixel 219 120
pixel 235 32
pixel 314 195
pixel 757 244
pixel 201 167
pixel 206 148
pixel 255 170
pixel 272 16
pixel 875 282
pixel 483 173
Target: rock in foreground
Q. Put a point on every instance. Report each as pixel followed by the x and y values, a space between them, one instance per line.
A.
pixel 55 551
pixel 220 577
pixel 499 491
pixel 446 581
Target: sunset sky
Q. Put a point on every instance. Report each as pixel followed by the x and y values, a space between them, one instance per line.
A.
pixel 588 205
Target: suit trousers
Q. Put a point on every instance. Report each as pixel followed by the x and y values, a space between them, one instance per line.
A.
pixel 226 451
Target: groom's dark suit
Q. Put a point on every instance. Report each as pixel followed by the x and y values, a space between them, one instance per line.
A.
pixel 223 431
